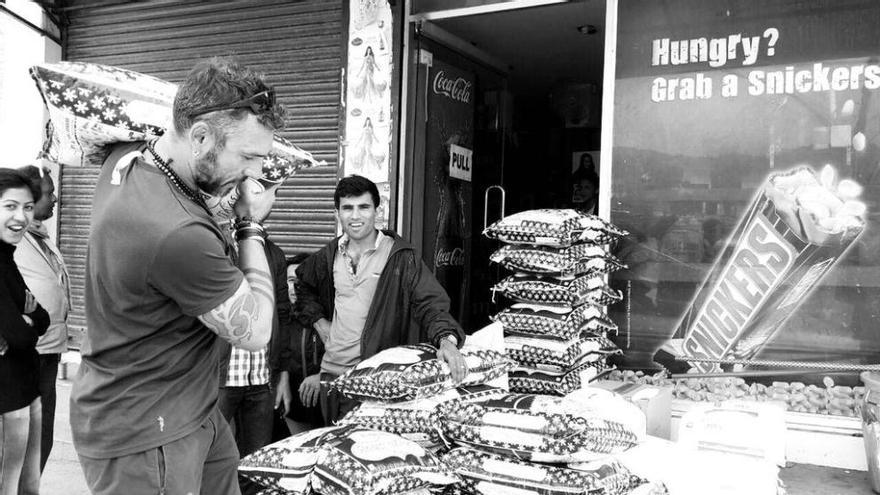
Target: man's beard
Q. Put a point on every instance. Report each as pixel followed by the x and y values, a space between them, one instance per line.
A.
pixel 205 167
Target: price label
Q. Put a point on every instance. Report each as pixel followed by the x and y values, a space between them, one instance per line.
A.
pixel 460 162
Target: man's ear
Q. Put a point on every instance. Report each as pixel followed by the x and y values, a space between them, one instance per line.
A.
pixel 201 138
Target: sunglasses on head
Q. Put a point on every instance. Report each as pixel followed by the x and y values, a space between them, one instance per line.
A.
pixel 258 103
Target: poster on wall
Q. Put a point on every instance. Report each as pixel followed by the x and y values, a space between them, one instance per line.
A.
pixel 746 152
pixel 368 127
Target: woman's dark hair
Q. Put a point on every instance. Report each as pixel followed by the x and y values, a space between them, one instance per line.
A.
pixel 11 178
pixel 354 186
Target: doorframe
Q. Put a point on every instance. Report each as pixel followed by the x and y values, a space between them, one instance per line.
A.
pixel 409 179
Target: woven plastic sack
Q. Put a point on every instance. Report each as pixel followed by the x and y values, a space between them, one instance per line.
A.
pixel 286 466
pixel 490 474
pixel 580 259
pixel 360 461
pixel 92 107
pixel 411 372
pixel 415 420
pixel 527 380
pixel 554 228
pixel 550 354
pixel 560 322
pixel 536 428
pixel 563 291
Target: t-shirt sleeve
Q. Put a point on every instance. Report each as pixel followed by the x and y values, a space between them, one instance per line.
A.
pixel 192 268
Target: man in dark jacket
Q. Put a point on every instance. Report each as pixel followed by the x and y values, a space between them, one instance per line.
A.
pixel 367 291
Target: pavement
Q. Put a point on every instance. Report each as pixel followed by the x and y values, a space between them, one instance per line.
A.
pixel 62 475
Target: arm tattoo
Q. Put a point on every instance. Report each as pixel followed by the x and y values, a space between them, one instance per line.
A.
pixel 233 320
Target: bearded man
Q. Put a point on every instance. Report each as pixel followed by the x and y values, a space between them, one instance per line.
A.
pixel 161 287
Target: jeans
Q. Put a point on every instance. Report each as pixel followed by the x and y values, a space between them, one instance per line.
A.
pixel 20 450
pixel 334 405
pixel 249 411
pixel 48 375
pixel 203 462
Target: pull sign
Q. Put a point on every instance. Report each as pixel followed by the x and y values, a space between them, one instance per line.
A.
pixel 460 160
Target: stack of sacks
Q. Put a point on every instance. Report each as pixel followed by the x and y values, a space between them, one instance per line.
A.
pixel 557 329
pixel 345 460
pixel 520 443
pixel 92 107
pixel 400 388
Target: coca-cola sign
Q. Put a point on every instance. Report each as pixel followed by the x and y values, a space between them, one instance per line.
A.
pixel 458 89
pixel 449 257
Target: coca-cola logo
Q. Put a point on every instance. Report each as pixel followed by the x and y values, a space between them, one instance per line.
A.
pixel 447 257
pixel 459 89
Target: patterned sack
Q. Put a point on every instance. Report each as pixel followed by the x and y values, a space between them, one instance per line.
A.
pixel 490 474
pixel 560 322
pixel 93 106
pixel 368 462
pixel 554 228
pixel 551 354
pixel 526 380
pixel 413 371
pixel 286 466
pixel 563 291
pixel 535 427
pixel 579 259
pixel 415 420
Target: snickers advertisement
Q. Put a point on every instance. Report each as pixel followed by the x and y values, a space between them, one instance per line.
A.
pixel 745 164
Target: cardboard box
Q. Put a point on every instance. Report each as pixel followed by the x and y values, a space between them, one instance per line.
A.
pixel 655 402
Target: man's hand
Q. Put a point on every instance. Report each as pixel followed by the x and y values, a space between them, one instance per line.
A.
pixel 282 393
pixel 254 200
pixel 310 389
pixel 322 326
pixel 30 302
pixel 450 354
pixel 3 346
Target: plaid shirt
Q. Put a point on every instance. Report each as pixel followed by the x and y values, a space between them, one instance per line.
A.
pixel 247 368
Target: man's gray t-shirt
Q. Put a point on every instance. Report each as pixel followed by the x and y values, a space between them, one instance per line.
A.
pixel 156 260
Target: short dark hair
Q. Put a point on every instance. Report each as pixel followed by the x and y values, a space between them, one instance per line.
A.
pixel 354 186
pixel 220 81
pixel 36 174
pixel 12 178
pixel 296 259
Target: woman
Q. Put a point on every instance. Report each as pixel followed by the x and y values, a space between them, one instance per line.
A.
pixel 22 321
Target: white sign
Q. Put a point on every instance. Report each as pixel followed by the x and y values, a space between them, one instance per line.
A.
pixel 460 161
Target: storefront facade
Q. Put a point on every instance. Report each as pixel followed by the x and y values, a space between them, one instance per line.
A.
pixel 465 111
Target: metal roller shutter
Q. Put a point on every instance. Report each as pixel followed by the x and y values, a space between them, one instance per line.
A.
pixel 297 44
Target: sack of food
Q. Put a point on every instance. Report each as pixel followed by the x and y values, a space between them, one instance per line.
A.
pixel 558 321
pixel 579 259
pixel 360 461
pixel 415 420
pixel 536 427
pixel 92 107
pixel 287 465
pixel 528 380
pixel 411 372
pixel 554 228
pixel 551 354
pixel 487 473
pixel 570 291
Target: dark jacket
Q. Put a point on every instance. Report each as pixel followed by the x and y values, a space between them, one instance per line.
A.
pixel 279 354
pixel 409 306
pixel 19 365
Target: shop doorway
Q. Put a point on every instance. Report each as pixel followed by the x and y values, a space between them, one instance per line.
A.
pixel 533 79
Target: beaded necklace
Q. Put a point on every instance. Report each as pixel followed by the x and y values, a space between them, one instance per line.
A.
pixel 162 165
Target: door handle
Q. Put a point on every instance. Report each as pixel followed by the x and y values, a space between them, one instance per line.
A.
pixel 486 203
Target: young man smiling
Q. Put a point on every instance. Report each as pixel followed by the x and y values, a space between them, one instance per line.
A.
pixel 367 291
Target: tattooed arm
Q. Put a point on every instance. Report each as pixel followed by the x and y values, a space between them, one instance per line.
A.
pixel 245 319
